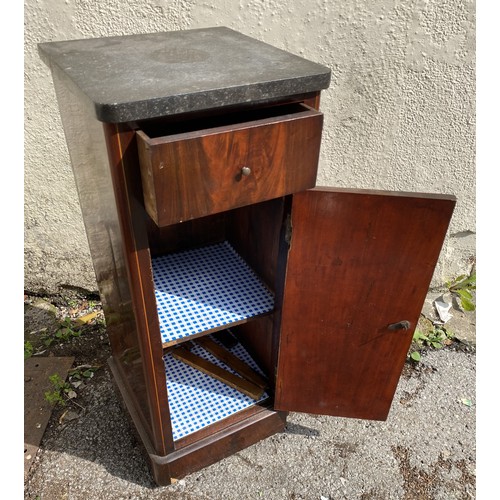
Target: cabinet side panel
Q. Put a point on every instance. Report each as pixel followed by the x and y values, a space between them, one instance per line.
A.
pixel 89 158
pixel 122 149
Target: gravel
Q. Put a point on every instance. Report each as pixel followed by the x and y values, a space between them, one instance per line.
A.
pixel 425 449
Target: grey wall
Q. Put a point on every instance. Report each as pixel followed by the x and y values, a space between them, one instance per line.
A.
pixel 399 114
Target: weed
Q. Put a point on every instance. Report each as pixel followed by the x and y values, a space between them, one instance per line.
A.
pixel 73 303
pixel 61 392
pixel 79 374
pixel 65 332
pixel 415 355
pixel 28 349
pixel 435 337
pixel 463 288
pixel 64 391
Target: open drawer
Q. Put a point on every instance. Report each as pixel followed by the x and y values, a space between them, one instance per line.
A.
pixel 210 165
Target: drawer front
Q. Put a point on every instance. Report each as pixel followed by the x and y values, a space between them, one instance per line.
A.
pixel 202 172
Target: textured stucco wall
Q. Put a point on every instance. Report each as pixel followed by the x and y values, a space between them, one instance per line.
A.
pixel 399 113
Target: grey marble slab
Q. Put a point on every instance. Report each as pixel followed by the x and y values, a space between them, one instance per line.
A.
pixel 136 77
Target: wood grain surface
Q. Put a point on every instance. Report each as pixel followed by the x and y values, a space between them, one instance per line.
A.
pixel 359 261
pixel 248 388
pixel 197 173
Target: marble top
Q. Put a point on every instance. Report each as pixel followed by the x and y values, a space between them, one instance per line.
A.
pixel 136 77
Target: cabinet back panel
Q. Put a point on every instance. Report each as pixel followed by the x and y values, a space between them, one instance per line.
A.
pixel 186 235
pixel 257 338
pixel 254 231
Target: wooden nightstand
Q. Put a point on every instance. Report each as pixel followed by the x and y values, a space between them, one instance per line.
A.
pixel 195 156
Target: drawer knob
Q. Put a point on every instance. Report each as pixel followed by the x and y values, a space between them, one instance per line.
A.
pixel 246 171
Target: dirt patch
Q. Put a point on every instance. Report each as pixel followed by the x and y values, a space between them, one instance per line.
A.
pixel 69 324
pixel 66 325
pixel 420 484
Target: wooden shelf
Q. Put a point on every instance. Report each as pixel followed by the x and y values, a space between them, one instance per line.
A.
pixel 204 290
pixel 197 400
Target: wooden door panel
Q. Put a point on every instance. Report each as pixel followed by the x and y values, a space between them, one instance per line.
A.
pixel 359 262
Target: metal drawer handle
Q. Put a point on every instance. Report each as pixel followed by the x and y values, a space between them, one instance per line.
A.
pixel 401 325
pixel 246 171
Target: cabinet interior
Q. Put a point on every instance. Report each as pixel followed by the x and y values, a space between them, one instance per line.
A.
pixel 175 125
pixel 211 274
pixel 197 400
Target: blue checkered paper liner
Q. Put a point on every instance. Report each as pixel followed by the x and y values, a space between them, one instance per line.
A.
pixel 206 288
pixel 197 400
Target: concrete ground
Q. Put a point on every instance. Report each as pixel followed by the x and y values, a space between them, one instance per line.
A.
pixel 425 450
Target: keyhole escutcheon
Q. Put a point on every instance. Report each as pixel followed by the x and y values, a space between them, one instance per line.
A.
pixel 400 325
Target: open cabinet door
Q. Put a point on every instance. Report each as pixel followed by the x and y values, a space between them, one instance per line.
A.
pixel 359 267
